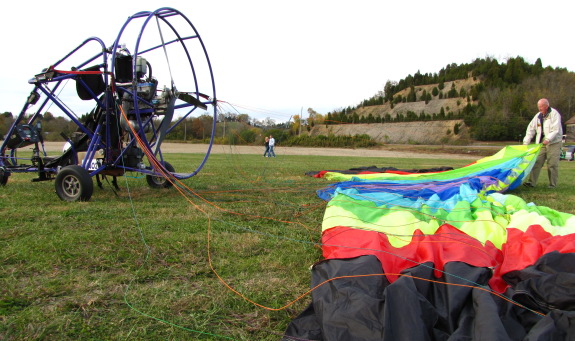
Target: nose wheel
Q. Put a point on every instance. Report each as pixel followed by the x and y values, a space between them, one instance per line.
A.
pixel 73 183
pixel 160 181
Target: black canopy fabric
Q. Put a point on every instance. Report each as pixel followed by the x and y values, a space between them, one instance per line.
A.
pixel 375 169
pixel 364 306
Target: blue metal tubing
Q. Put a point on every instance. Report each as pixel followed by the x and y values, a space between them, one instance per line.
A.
pixel 163 14
pixel 103 128
pixel 41 85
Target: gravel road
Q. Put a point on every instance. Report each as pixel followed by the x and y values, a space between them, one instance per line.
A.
pixel 223 149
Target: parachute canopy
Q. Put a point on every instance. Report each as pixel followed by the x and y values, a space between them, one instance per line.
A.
pixel 432 256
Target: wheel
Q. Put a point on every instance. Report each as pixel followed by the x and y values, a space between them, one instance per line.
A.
pixel 4 175
pixel 74 183
pixel 160 181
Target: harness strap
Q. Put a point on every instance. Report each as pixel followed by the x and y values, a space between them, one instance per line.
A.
pixel 542 130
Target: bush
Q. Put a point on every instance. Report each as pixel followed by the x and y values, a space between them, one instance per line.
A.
pixel 344 141
pixel 248 136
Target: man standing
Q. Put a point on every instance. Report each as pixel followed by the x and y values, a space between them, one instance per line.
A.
pixel 546 127
pixel 272 143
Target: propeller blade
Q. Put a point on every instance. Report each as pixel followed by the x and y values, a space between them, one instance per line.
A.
pixel 186 97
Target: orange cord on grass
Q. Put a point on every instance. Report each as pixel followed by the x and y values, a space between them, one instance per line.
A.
pixel 161 169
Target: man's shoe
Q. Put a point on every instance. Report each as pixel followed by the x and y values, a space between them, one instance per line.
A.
pixel 528 184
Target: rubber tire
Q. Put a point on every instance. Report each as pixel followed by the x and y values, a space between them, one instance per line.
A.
pixel 159 181
pixel 4 175
pixel 74 183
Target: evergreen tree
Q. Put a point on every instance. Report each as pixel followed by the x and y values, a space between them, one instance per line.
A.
pixel 423 96
pixel 453 92
pixel 411 97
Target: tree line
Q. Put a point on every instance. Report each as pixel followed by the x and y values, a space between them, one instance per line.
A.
pixel 231 128
pixel 497 108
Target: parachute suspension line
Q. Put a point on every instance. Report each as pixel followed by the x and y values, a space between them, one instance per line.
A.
pixel 503 297
pixel 231 105
pixel 165 52
pixel 51 91
pixel 239 169
pixel 188 192
pixel 146 260
pixel 471 284
pixel 64 104
pixel 274 114
pixel 142 238
pixel 161 169
pixel 185 191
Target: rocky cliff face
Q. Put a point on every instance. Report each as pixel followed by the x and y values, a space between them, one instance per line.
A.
pixel 428 132
pixel 453 105
pixel 415 132
pixel 434 106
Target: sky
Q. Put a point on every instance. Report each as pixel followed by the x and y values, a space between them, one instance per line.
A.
pixel 278 58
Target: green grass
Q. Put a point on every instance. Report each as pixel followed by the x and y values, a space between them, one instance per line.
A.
pixel 135 265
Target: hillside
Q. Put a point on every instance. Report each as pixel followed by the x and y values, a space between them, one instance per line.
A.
pixel 430 132
pixel 494 102
pixel 432 107
pixel 451 131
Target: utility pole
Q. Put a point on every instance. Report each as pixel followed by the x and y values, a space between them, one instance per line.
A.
pixel 300 120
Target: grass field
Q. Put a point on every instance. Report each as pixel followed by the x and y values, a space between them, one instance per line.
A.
pixel 136 265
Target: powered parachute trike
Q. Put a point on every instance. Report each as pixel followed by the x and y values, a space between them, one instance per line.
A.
pixel 132 111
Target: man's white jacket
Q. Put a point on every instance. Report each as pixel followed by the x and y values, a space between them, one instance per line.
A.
pixel 551 127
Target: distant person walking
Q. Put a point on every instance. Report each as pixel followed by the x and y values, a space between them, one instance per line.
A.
pixel 272 143
pixel 546 127
pixel 267 144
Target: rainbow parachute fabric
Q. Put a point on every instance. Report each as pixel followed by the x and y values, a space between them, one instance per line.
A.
pixel 438 256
